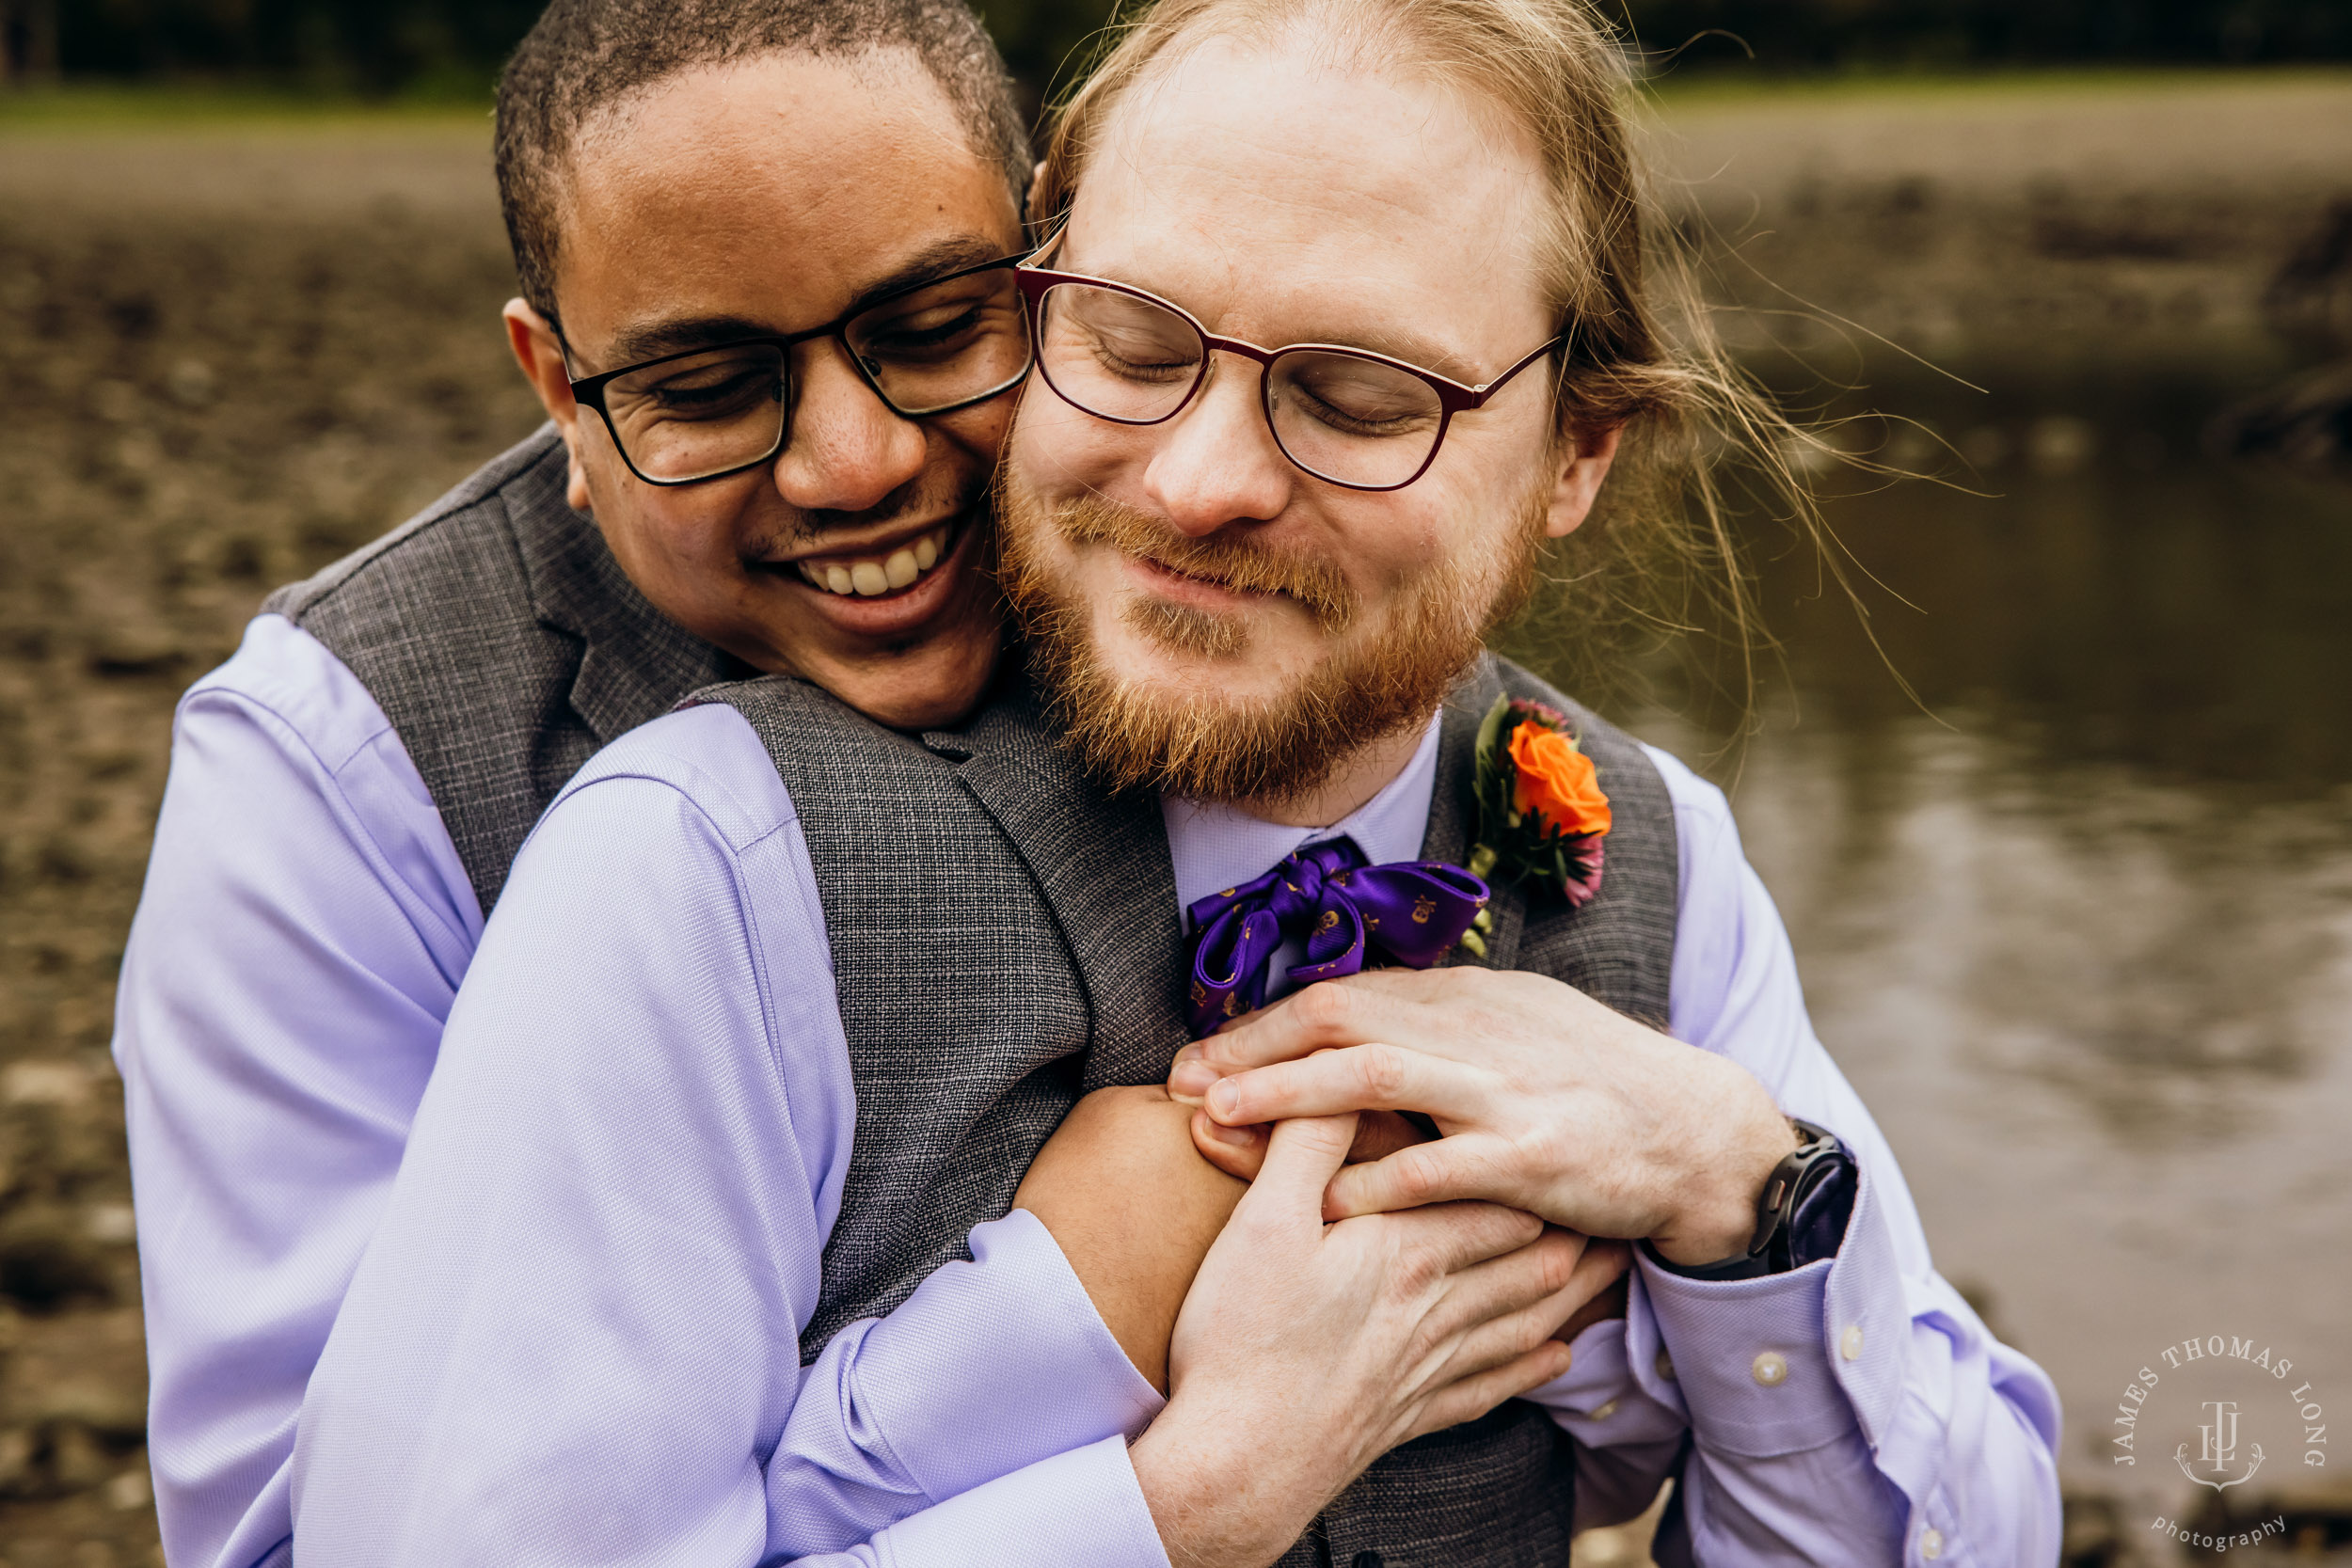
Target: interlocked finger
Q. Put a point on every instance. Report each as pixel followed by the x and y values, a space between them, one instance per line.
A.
pixel 1379 1004
pixel 1445 1241
pixel 1534 1279
pixel 1444 1170
pixel 1373 1077
pixel 1472 1397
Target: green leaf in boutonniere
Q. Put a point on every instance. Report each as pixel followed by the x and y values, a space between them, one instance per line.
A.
pixel 1541 811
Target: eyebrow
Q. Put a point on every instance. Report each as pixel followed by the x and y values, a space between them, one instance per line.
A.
pixel 653 339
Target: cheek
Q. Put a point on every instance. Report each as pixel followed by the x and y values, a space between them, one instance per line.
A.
pixel 968 440
pixel 687 541
pixel 1056 449
pixel 1387 544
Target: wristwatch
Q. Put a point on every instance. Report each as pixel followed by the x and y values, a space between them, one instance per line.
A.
pixel 1801 1215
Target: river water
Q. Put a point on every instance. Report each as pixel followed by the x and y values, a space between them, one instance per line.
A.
pixel 2078 921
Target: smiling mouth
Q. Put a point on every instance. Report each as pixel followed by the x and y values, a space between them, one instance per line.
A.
pixel 873 576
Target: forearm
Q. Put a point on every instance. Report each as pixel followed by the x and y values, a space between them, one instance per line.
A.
pixel 572 1335
pixel 1135 1209
pixel 1084 1507
pixel 992 1366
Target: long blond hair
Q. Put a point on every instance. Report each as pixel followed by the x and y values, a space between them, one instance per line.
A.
pixel 1644 356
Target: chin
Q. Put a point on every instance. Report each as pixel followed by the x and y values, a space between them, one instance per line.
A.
pixel 928 683
pixel 1191 677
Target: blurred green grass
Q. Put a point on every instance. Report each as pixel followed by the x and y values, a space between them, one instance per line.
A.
pixel 1711 85
pixel 106 106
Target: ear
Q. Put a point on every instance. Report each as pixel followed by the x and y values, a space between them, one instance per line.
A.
pixel 540 353
pixel 1585 459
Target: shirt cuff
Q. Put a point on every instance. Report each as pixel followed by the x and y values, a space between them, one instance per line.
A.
pixel 1792 1361
pixel 1598 1401
pixel 992 1365
pixel 1084 1506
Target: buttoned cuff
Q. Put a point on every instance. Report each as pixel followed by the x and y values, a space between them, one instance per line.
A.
pixel 1084 1506
pixel 993 1365
pixel 1792 1361
pixel 1599 1402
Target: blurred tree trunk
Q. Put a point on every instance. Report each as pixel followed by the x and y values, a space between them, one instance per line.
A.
pixel 28 42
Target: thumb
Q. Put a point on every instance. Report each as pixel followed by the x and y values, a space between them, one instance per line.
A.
pixel 1238 1152
pixel 1301 1157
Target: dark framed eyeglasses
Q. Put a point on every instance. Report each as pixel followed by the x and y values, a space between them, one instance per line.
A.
pixel 1355 418
pixel 930 348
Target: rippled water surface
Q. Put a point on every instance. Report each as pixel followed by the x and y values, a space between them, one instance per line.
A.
pixel 2081 931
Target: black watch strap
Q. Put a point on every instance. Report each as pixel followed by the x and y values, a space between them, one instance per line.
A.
pixel 1800 1215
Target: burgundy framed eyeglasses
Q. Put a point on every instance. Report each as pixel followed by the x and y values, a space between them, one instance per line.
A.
pixel 1352 418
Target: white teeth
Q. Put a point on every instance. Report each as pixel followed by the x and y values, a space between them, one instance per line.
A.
pixel 869 578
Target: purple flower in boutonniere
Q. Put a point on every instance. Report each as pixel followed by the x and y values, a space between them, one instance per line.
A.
pixel 1541 811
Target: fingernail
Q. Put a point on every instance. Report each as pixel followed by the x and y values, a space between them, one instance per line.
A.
pixel 1232 1137
pixel 1223 1099
pixel 1189 1079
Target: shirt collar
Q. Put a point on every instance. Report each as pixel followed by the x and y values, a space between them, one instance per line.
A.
pixel 1214 846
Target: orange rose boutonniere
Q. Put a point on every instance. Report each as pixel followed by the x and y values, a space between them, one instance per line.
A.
pixel 1551 778
pixel 1541 811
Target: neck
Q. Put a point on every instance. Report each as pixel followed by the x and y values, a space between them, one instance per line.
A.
pixel 1365 773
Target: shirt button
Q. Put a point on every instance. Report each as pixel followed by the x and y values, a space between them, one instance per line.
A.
pixel 1665 1366
pixel 1850 1342
pixel 1605 1411
pixel 1770 1370
pixel 1932 1545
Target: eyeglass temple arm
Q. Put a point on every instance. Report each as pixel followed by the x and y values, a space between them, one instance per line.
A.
pixel 1481 394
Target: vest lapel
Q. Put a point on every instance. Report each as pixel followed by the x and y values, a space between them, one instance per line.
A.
pixel 634 661
pixel 1452 809
pixel 1102 862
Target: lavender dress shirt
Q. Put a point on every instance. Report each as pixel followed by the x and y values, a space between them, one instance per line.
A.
pixel 574 1337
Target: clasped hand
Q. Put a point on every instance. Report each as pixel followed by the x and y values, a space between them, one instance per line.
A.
pixel 1547 1102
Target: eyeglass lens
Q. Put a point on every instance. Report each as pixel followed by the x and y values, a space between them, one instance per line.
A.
pixel 1350 419
pixel 936 348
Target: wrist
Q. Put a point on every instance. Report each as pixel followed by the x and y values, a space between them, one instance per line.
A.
pixel 1716 1217
pixel 1211 1507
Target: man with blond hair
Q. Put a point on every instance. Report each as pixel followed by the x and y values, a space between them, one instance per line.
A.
pixel 1340 315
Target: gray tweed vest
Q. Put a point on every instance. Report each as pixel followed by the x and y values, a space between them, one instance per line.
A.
pixel 504 643
pixel 1005 937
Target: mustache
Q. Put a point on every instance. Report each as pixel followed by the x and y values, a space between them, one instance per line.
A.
pixel 1225 558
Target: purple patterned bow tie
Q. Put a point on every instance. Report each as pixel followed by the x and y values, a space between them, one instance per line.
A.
pixel 1412 911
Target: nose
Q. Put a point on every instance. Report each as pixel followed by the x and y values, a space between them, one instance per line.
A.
pixel 846 452
pixel 1217 463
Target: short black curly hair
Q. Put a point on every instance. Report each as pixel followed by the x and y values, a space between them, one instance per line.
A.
pixel 585 56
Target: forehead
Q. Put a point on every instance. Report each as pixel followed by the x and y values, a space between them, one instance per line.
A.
pixel 773 191
pixel 1285 196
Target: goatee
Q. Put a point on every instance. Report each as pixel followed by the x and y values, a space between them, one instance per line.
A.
pixel 1196 742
